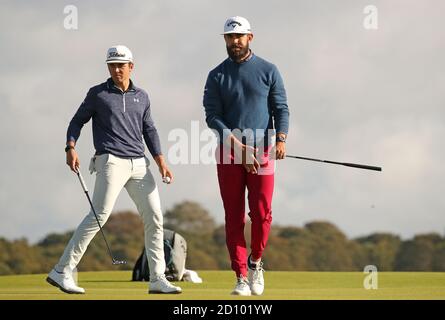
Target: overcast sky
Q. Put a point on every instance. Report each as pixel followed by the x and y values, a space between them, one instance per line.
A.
pixel 355 95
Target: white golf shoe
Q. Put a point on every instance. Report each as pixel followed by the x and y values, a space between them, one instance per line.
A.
pixel 64 281
pixel 161 285
pixel 256 278
pixel 242 287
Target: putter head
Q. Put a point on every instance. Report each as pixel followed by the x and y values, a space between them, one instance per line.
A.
pixel 117 262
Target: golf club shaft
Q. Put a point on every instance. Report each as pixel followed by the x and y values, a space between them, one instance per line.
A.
pixel 85 189
pixel 347 164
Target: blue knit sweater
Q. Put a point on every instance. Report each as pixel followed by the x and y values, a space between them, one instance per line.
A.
pixel 247 95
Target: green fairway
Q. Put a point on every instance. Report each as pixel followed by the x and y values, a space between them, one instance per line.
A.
pixel 218 284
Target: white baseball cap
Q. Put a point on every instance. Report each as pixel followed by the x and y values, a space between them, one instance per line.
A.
pixel 119 54
pixel 237 24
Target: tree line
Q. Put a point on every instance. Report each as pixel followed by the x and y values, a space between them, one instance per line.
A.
pixel 317 246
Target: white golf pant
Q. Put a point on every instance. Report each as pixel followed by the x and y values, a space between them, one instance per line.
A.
pixel 112 174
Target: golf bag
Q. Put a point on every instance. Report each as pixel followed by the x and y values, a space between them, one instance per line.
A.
pixel 175 253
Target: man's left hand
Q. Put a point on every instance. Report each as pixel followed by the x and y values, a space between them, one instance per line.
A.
pixel 163 169
pixel 280 150
pixel 165 172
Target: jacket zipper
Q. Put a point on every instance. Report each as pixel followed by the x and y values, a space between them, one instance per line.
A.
pixel 123 100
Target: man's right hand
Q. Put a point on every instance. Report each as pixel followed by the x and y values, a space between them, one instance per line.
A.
pixel 247 154
pixel 250 162
pixel 72 160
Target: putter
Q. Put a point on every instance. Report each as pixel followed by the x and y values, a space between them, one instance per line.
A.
pixel 354 165
pixel 85 189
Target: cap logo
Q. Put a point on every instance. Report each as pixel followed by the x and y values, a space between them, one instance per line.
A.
pixel 234 23
pixel 116 54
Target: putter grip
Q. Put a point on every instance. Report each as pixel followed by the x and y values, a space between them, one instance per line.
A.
pixel 82 182
pixel 362 166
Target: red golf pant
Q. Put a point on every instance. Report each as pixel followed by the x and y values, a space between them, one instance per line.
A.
pixel 233 180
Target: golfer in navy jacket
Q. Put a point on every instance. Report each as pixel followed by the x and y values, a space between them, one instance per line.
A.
pixel 121 123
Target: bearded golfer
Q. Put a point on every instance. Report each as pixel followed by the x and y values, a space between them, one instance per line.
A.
pixel 121 122
pixel 245 93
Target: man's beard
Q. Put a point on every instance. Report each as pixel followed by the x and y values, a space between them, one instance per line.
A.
pixel 236 55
